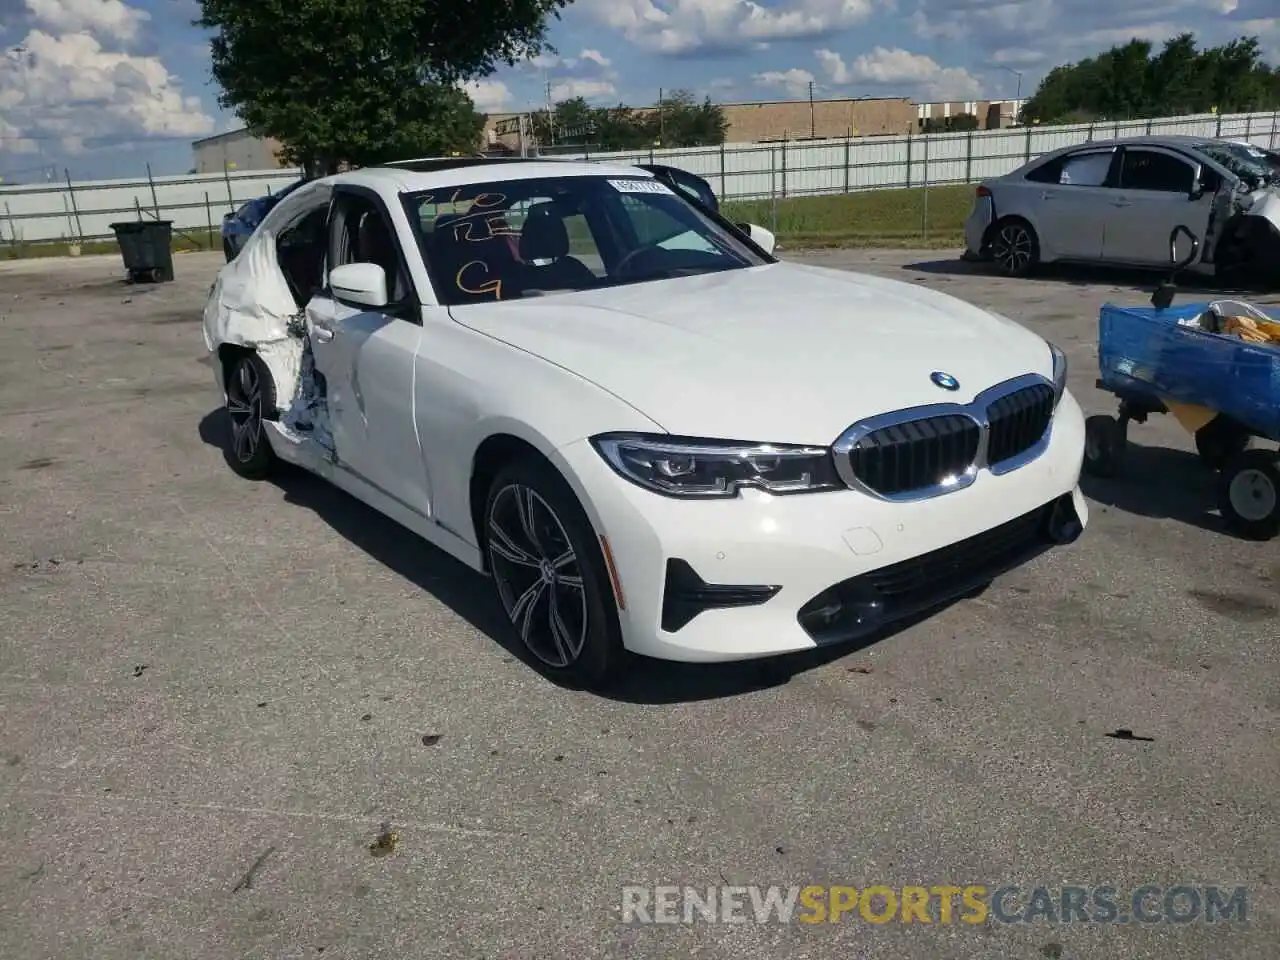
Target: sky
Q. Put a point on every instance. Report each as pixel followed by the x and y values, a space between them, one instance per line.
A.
pixel 102 88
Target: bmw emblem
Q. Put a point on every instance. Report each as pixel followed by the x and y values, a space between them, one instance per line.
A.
pixel 944 380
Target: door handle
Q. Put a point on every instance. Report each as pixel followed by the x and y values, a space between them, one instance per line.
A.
pixel 1046 196
pixel 323 334
pixel 1122 203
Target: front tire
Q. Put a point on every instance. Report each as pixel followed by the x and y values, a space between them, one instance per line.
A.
pixel 1249 494
pixel 1015 249
pixel 550 575
pixel 250 394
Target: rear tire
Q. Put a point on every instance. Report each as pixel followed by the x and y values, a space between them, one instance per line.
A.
pixel 550 575
pixel 250 395
pixel 1105 442
pixel 1249 494
pixel 1015 248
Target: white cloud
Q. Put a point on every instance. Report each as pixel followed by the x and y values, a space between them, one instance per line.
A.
pixel 109 19
pixel 489 96
pixel 685 27
pixel 571 87
pixel 909 73
pixel 794 81
pixel 595 56
pixel 68 88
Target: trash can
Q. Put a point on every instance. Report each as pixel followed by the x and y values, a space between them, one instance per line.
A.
pixel 147 249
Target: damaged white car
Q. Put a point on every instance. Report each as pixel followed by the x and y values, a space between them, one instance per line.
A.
pixel 653 435
pixel 1118 201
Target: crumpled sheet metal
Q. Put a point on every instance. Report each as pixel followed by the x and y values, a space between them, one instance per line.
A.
pixel 251 306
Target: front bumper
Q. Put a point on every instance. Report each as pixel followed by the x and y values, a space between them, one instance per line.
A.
pixel 780 560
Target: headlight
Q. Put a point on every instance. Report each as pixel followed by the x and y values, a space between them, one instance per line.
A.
pixel 702 469
pixel 1059 374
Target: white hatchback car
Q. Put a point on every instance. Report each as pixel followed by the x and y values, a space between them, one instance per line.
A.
pixel 652 434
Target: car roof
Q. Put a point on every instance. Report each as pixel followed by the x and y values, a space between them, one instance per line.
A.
pixel 412 176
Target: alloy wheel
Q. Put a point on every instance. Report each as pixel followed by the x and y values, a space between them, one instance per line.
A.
pixel 538 575
pixel 1013 248
pixel 244 405
pixel 1253 495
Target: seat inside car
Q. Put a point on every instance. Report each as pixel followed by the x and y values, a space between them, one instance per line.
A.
pixel 545 238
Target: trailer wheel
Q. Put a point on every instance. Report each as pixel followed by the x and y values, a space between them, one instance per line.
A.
pixel 1249 494
pixel 1105 441
pixel 1219 440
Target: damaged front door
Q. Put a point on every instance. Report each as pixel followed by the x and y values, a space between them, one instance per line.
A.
pixel 365 355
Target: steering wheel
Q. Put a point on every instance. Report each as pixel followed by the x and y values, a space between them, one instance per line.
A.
pixel 621 267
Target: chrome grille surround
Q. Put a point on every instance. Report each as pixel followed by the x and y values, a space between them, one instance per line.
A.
pixel 978 410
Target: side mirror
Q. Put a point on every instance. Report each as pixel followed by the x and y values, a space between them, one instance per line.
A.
pixel 359 284
pixel 760 236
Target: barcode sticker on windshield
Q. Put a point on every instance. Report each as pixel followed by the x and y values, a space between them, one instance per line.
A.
pixel 647 185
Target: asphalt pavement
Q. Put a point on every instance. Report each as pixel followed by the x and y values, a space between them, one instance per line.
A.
pixel 258 720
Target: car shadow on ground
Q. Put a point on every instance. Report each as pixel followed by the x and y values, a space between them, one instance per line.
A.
pixel 471 597
pixel 1162 484
pixel 1189 288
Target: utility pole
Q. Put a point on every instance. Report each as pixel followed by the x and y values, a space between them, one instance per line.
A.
pixel 813 125
pixel 662 118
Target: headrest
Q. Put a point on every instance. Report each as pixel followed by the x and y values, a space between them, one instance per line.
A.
pixel 544 236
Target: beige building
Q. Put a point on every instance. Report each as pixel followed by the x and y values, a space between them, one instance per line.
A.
pixel 991 114
pixel 760 121
pixel 236 150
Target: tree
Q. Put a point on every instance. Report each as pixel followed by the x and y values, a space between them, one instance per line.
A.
pixel 680 121
pixel 363 81
pixel 1128 82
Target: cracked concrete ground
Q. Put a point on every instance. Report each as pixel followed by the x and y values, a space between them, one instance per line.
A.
pixel 215 695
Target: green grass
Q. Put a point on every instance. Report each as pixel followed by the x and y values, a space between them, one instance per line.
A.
pixel 872 218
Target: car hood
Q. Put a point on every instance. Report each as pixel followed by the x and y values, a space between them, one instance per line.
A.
pixel 778 353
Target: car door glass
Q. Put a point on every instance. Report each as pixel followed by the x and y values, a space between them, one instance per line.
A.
pixel 1086 170
pixel 363 235
pixel 1157 172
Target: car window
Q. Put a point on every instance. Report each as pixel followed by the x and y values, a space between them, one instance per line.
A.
pixel 361 233
pixel 1048 172
pixel 1086 169
pixel 540 236
pixel 300 253
pixel 1150 170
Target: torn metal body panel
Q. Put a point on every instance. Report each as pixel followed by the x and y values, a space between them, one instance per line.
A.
pixel 254 306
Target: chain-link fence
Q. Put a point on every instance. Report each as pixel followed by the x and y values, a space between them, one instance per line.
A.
pixel 889 189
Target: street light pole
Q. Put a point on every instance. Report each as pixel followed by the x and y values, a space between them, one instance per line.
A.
pixel 1017 96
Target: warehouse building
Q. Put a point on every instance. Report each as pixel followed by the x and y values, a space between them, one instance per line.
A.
pixel 762 121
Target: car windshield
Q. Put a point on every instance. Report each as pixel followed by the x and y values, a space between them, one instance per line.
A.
pixel 521 238
pixel 1239 159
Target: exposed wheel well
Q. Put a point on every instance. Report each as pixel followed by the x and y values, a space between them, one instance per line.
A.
pixel 229 353
pixel 493 454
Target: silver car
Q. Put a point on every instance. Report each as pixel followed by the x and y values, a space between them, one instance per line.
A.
pixel 1118 201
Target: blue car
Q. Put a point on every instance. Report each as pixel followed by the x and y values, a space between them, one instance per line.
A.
pixel 237 227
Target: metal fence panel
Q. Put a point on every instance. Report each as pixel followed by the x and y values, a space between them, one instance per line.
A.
pixel 756 171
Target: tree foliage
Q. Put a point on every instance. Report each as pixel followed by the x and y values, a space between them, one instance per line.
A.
pixel 362 81
pixel 1132 81
pixel 678 120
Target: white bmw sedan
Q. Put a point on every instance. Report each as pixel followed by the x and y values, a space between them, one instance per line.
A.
pixel 651 434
